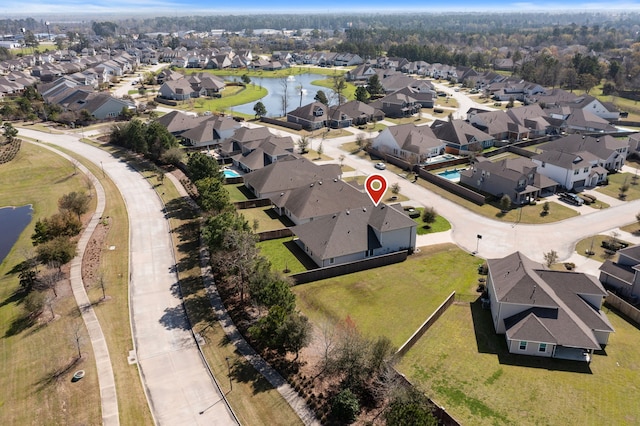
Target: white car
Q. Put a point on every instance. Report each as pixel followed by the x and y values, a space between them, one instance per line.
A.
pixel 380 166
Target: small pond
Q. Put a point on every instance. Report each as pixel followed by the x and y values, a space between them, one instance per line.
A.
pixel 276 87
pixel 13 220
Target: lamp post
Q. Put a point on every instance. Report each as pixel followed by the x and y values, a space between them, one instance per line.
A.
pixel 229 373
pixel 479 237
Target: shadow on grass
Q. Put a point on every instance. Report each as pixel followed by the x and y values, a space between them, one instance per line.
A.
pixel 246 192
pixel 489 342
pixel 55 375
pixel 20 324
pixel 300 255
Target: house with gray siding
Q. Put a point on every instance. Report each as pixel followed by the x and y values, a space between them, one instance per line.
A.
pixel 623 276
pixel 546 313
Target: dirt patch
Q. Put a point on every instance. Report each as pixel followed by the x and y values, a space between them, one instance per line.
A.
pixel 93 252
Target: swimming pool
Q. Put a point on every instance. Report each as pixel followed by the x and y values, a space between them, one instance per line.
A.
pixel 452 175
pixel 228 173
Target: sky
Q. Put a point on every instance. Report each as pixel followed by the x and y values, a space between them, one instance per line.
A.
pixel 41 8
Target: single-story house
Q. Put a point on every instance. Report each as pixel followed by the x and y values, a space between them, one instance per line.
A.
pixel 356 234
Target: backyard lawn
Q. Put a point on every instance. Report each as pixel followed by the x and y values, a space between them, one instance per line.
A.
pixel 238 192
pixel 464 366
pixel 392 300
pixel 265 217
pixel 285 255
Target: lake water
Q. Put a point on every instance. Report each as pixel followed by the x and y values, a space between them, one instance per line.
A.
pixel 276 88
pixel 13 220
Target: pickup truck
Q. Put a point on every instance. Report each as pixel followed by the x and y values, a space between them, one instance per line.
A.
pixel 571 198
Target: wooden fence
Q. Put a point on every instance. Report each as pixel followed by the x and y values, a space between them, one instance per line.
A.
pixel 620 305
pixel 252 204
pixel 425 325
pixel 292 126
pixel 348 268
pixel 275 234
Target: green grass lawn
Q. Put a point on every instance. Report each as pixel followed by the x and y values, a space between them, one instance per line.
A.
pixel 349 92
pixel 595 244
pixel 285 255
pixel 464 366
pixel 393 300
pixel 526 214
pixel 616 180
pixel 266 217
pixel 32 354
pixel 238 192
pixel 440 225
pixel 231 96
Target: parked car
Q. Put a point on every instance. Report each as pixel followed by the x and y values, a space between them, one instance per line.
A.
pixel 380 166
pixel 567 197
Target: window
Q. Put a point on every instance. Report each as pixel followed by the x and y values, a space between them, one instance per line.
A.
pixel 523 345
pixel 586 169
pixel 576 171
pixel 542 347
pixel 332 260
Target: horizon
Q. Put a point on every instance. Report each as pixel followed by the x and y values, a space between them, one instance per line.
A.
pixel 149 8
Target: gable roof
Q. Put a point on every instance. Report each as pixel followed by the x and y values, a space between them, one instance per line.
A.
pixel 347 232
pixel 289 173
pixel 458 132
pixel 557 311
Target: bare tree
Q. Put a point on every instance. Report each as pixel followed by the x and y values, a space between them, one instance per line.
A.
pixel 102 282
pixel 76 336
pixel 550 258
pixel 50 278
pixel 284 98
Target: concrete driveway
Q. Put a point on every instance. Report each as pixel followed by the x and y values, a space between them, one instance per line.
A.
pixel 178 385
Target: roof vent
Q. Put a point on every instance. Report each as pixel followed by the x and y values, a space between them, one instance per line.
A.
pixel 335 179
pixel 348 212
pixel 282 194
pixel 364 209
pixel 311 185
pixel 320 183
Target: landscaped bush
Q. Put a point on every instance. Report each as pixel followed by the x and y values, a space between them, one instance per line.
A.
pixel 345 407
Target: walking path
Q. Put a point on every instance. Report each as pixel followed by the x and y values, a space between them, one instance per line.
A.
pixel 177 382
pixel 297 403
pixel 106 381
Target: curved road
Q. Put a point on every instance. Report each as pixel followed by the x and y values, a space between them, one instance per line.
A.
pixel 177 383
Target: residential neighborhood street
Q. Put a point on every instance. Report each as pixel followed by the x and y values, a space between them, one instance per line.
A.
pixel 178 385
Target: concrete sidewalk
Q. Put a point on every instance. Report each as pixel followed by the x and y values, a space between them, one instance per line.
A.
pixel 297 403
pixel 106 381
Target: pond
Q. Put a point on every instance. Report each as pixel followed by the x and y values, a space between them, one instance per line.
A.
pixel 295 84
pixel 13 220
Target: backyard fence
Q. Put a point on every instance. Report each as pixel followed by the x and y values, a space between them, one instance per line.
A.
pixel 348 268
pixel 425 325
pixel 292 126
pixel 233 180
pixel 625 308
pixel 439 412
pixel 404 165
pixel 275 234
pixel 252 204
pixel 453 187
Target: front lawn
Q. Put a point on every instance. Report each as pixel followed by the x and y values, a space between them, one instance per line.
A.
pixel 464 366
pixel 392 300
pixel 617 180
pixel 527 214
pixel 594 244
pixel 440 225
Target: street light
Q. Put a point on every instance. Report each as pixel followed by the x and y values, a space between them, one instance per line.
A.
pixel 229 373
pixel 479 237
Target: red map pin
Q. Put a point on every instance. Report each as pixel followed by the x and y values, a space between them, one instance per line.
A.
pixel 375 185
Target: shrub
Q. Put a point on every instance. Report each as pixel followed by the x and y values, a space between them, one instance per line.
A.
pixel 345 406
